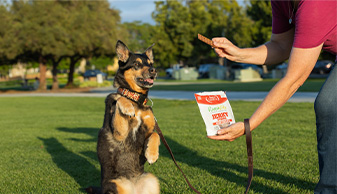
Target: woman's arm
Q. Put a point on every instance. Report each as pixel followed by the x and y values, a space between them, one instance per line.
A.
pixel 273 52
pixel 301 63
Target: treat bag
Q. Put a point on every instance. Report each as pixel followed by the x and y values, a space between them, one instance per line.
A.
pixel 215 110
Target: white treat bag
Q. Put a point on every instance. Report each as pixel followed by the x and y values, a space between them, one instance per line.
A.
pixel 215 110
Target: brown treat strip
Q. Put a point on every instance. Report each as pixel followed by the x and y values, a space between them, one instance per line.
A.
pixel 206 40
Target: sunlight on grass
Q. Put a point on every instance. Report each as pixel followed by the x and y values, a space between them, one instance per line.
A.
pixel 48 145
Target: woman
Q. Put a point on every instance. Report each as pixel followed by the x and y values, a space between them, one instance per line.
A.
pixel 301 29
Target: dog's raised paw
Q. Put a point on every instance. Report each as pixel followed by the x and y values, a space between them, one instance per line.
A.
pixel 151 156
pixel 127 109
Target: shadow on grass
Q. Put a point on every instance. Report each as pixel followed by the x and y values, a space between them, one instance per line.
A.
pixel 75 165
pixel 93 132
pixel 225 170
pixel 86 174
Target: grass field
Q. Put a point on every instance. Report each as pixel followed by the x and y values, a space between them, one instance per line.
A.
pixel 48 145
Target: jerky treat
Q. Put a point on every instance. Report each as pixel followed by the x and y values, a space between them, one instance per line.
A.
pixel 206 40
pixel 215 110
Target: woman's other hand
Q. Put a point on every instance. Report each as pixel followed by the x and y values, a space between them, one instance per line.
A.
pixel 230 133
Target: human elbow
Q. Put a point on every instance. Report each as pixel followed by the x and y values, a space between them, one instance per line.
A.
pixel 295 84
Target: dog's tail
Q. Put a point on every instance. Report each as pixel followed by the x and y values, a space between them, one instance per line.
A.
pixel 93 190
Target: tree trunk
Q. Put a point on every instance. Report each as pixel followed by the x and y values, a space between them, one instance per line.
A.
pixel 43 70
pixel 265 69
pixel 55 85
pixel 70 83
pixel 229 74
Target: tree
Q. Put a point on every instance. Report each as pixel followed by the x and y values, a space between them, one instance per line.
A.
pixel 261 14
pixel 209 17
pixel 139 35
pixel 39 35
pixel 7 35
pixel 49 31
pixel 92 29
pixel 6 20
pixel 173 33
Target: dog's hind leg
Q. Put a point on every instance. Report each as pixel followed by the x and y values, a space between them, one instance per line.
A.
pixel 147 183
pixel 119 186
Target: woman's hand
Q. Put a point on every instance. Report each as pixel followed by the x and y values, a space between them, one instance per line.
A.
pixel 225 48
pixel 230 133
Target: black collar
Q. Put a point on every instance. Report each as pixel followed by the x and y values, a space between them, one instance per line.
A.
pixel 132 95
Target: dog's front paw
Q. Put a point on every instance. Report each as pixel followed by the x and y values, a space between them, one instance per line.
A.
pixel 129 111
pixel 126 107
pixel 152 155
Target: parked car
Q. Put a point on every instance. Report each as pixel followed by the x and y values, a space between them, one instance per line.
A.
pixel 93 73
pixel 204 70
pixel 282 66
pixel 322 67
pixel 169 71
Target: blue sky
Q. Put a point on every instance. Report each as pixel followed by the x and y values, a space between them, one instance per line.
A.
pixel 135 10
pixel 138 10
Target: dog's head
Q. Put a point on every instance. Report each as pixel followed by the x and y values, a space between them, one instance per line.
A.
pixel 136 71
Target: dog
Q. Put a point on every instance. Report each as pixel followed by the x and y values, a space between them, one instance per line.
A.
pixel 127 139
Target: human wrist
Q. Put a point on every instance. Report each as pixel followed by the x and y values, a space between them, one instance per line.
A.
pixel 243 55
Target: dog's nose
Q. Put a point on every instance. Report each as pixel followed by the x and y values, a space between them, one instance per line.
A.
pixel 152 70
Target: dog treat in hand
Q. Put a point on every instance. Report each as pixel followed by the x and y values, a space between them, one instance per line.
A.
pixel 206 40
pixel 215 110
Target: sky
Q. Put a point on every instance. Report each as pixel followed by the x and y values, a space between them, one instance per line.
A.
pixel 135 10
pixel 138 10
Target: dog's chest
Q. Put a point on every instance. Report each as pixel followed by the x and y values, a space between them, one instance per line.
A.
pixel 144 120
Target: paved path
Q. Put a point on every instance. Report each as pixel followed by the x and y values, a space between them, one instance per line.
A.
pixel 174 95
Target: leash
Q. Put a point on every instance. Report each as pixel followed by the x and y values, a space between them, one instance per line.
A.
pixel 174 160
pixel 249 153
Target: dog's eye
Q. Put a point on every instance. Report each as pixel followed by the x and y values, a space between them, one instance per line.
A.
pixel 137 64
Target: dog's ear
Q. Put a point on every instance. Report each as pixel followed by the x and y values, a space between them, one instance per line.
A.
pixel 122 51
pixel 149 53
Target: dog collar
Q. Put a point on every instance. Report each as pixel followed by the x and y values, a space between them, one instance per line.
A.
pixel 134 96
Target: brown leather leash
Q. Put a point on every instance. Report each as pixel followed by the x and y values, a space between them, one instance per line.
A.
pixel 174 160
pixel 249 153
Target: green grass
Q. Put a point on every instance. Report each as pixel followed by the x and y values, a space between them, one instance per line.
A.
pixel 311 85
pixel 48 145
pixel 18 84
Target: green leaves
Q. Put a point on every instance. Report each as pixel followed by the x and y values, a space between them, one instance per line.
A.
pixel 54 29
pixel 179 22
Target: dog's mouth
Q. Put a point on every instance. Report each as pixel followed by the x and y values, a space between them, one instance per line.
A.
pixel 146 83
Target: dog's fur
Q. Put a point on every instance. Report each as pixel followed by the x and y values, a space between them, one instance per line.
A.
pixel 127 139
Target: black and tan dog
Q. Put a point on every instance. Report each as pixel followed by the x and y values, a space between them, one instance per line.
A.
pixel 127 139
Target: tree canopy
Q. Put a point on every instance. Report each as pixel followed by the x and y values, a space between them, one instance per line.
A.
pixel 179 22
pixel 47 32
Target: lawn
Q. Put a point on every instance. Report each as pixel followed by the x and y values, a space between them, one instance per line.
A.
pixel 48 145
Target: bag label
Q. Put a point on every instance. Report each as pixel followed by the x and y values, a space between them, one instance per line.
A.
pixel 215 111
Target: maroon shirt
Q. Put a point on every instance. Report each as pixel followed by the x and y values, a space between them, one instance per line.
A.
pixel 315 22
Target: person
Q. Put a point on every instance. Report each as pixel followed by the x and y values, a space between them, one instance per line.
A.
pixel 300 30
pixel 36 83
